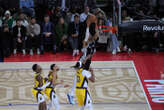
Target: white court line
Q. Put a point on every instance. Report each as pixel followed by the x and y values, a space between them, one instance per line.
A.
pixel 141 85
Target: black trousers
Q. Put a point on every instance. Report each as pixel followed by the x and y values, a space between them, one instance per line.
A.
pixel 6 42
pixel 51 40
pixel 15 43
pixel 33 42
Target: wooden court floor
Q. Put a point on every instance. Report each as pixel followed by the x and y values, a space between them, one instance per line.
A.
pixel 116 87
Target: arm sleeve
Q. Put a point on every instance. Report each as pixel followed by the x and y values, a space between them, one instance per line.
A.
pixel 86 73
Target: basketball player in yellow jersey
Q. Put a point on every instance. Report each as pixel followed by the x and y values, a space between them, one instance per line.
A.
pixel 84 74
pixel 40 85
pixel 49 91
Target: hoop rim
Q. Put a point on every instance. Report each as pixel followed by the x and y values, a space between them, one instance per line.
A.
pixel 107 28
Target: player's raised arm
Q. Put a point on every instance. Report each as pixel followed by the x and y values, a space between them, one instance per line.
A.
pixel 92 78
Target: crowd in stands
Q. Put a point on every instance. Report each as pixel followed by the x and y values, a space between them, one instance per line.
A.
pixel 30 30
pixel 55 31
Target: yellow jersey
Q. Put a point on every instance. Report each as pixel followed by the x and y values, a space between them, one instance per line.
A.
pixel 36 85
pixel 82 93
pixel 35 89
pixel 48 90
pixel 50 78
pixel 82 81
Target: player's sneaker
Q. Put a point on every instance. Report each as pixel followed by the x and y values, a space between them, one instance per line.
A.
pixel 70 99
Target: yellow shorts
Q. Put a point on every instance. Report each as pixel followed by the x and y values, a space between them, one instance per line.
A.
pixel 83 97
pixel 48 91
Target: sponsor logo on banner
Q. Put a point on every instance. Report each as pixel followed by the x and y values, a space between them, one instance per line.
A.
pixel 153 28
pixel 156 90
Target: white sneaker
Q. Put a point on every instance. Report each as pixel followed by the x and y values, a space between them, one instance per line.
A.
pixel 24 52
pixel 31 52
pixel 38 51
pixel 77 52
pixel 118 49
pixel 74 53
pixel 125 48
pixel 114 52
pixel 129 50
pixel 15 51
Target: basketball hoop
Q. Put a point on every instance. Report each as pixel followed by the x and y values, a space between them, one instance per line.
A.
pixel 107 28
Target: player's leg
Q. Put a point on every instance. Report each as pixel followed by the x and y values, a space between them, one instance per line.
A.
pixel 55 101
pixel 43 106
pixel 90 107
pixel 81 97
pixel 73 86
pixel 41 101
pixel 70 95
pixel 82 108
pixel 89 101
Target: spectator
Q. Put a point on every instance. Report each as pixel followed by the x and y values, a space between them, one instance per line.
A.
pixel 6 40
pixel 23 19
pixel 47 35
pixel 113 38
pixel 33 32
pixel 73 15
pixel 73 31
pixel 19 34
pixel 1 50
pixel 7 19
pixel 1 23
pixel 56 15
pixel 68 17
pixel 115 43
pixel 61 33
pixel 100 14
pixel 128 40
pixel 85 14
pixel 102 34
pixel 1 14
pixel 63 5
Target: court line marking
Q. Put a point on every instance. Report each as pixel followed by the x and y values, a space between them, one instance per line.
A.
pixel 1 70
pixel 121 103
pixel 133 67
pixel 141 85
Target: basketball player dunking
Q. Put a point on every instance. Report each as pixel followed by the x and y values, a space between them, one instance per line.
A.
pixel 88 48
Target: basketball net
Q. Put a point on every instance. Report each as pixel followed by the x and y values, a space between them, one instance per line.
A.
pixel 108 28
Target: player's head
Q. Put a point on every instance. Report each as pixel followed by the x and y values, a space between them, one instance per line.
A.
pixel 37 68
pixel 54 67
pixel 78 65
pixel 87 64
